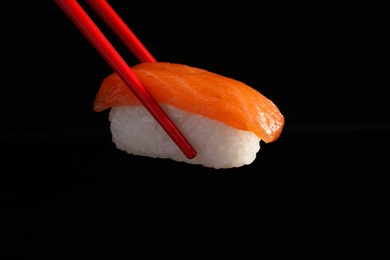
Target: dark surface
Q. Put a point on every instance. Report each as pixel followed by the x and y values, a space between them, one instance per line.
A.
pixel 309 194
pixel 319 190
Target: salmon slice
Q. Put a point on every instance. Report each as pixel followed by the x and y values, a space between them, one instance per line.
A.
pixel 200 92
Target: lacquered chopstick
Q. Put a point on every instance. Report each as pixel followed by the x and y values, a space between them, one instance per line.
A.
pixel 85 24
pixel 115 22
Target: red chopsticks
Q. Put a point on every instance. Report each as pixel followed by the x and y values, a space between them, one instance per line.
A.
pixel 85 24
pixel 111 18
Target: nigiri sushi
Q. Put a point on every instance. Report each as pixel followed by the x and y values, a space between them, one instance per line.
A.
pixel 222 118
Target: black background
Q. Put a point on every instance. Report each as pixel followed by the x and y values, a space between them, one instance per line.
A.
pixel 319 190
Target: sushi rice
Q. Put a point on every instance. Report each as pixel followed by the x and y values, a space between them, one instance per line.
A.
pixel 135 131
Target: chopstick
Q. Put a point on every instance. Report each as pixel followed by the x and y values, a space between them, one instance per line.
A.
pixel 112 19
pixel 85 24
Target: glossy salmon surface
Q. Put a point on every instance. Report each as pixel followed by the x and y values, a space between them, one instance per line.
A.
pixel 200 92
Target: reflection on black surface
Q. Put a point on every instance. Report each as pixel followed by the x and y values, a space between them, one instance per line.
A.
pixel 308 193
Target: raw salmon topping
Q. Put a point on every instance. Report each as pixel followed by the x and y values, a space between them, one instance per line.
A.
pixel 200 92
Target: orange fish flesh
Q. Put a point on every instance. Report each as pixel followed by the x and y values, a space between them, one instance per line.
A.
pixel 200 92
